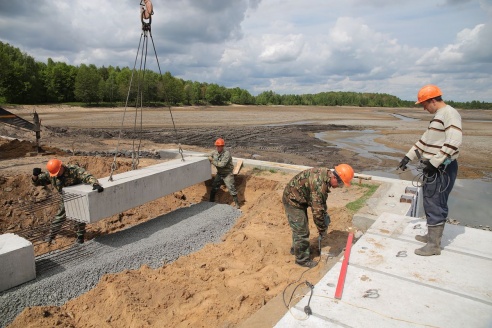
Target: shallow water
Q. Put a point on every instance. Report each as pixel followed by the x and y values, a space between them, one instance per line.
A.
pixel 405 118
pixel 361 142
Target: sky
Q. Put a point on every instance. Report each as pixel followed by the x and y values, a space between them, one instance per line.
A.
pixel 287 46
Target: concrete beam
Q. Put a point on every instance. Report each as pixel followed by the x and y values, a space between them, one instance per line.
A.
pixel 134 188
pixel 17 264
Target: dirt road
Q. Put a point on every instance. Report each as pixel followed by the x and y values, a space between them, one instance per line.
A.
pixel 223 284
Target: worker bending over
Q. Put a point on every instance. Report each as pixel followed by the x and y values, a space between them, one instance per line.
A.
pixel 310 188
pixel 59 176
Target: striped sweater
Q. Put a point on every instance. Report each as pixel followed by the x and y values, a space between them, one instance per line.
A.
pixel 442 138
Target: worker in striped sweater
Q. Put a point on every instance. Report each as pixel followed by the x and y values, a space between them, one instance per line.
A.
pixel 439 149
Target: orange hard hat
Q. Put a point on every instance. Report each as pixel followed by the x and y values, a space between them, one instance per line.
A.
pixel 427 92
pixel 345 172
pixel 220 142
pixel 54 165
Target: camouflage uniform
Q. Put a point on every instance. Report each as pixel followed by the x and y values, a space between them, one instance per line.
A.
pixel 309 188
pixel 72 175
pixel 223 162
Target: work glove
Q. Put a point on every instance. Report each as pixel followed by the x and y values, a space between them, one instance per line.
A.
pixel 403 163
pixel 210 159
pixel 428 168
pixel 98 187
pixel 36 171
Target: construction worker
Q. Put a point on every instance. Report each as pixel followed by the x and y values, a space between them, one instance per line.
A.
pixel 59 176
pixel 222 160
pixel 310 188
pixel 439 148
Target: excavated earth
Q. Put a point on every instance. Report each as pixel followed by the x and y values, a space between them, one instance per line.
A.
pixel 227 281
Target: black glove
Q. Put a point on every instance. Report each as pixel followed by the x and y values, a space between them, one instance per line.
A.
pixel 428 168
pixel 403 163
pixel 36 171
pixel 98 187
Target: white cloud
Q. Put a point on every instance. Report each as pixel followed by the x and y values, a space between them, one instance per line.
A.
pixel 470 46
pixel 278 48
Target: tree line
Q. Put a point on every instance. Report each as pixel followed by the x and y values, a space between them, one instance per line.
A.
pixel 26 81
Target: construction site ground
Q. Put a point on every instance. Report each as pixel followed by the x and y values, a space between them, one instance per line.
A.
pixel 223 284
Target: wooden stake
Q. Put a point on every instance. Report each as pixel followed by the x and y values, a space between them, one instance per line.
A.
pixel 238 166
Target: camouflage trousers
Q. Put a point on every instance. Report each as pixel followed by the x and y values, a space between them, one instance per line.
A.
pixel 61 217
pixel 228 181
pixel 298 222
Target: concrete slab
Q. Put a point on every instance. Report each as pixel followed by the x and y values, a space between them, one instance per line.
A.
pixel 134 188
pixel 387 285
pixel 455 238
pixel 16 261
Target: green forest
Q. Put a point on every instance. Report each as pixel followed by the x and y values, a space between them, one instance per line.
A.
pixel 23 80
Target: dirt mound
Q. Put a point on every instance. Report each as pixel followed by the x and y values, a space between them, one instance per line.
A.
pixel 18 148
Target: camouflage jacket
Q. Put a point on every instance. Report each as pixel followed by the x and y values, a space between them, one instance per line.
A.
pixel 73 175
pixel 310 188
pixel 223 162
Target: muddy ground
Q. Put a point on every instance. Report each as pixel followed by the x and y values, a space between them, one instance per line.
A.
pixel 223 284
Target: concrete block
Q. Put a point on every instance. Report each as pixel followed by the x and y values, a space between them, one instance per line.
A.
pixel 411 190
pixel 134 188
pixel 17 264
pixel 406 198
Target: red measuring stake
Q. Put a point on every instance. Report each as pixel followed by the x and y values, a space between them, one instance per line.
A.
pixel 343 271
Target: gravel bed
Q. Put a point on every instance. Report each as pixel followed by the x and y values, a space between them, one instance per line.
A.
pixel 62 276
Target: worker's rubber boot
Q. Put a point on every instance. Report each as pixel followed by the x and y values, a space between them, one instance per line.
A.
pixel 422 239
pixel 433 246
pixel 212 195
pixel 236 201
pixel 80 239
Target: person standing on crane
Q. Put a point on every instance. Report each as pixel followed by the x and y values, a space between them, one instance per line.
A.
pixel 59 176
pixel 439 149
pixel 222 160
pixel 310 188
